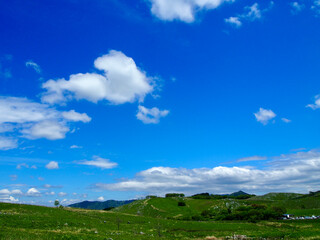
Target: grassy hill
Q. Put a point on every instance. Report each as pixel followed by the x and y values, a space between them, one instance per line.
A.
pixel 278 196
pixel 97 205
pixel 298 204
pixel 35 222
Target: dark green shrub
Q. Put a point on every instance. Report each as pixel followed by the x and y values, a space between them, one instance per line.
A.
pixel 181 204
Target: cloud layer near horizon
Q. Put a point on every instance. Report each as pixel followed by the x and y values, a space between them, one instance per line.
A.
pixel 295 172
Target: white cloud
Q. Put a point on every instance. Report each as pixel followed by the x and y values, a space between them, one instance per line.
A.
pixel 52 165
pixel 295 172
pixel 16 192
pixel 52 130
pixel 286 120
pixel 75 146
pixel 251 13
pixel 34 120
pixel 235 21
pixel 33 192
pixel 99 162
pixel 316 104
pixel 296 7
pixel 21 165
pixel 264 115
pixel 182 10
pixel 33 65
pixel 50 193
pixel 4 192
pixel 8 143
pixel 150 115
pixel 52 186
pixel 76 117
pixel 5 195
pixel 62 194
pixel 252 158
pixel 121 82
pixel 101 199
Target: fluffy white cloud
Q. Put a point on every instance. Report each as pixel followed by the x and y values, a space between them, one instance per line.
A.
pixel 101 199
pixel 4 192
pixel 150 115
pixel 316 104
pixel 52 165
pixel 264 115
pixel 294 172
pixel 34 120
pixel 99 162
pixel 235 21
pixel 183 10
pixel 51 130
pixel 8 143
pixel 33 65
pixel 33 192
pixel 121 82
pixel 251 13
pixel 8 199
pixel 76 117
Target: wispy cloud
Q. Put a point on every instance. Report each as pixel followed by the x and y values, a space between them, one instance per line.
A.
pixel 286 120
pixel 75 147
pixel 24 165
pixel 252 158
pixel 99 162
pixel 316 104
pixel 296 7
pixel 150 115
pixel 34 66
pixel 251 13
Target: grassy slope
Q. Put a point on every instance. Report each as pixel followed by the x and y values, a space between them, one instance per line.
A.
pixel 297 204
pixel 34 222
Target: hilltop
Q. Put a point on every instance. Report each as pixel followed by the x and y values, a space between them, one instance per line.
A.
pixel 98 205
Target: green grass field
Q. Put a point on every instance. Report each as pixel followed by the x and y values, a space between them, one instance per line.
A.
pixel 35 222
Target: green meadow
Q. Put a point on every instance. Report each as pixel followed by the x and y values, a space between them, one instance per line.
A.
pixel 156 218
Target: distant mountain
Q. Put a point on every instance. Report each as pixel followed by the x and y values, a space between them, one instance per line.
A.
pixel 239 193
pixel 96 205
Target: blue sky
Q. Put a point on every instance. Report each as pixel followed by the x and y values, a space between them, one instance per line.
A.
pixel 120 99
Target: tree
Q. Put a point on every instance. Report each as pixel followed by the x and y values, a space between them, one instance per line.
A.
pixel 56 203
